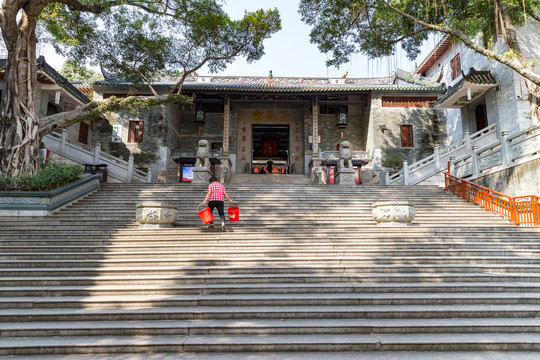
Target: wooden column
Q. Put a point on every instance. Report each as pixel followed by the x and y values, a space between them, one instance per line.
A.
pixel 315 143
pixel 226 124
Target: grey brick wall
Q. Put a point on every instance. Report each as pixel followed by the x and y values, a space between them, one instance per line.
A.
pixel 355 132
pixel 429 129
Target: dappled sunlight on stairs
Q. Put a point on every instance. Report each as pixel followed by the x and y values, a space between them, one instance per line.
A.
pixel 305 272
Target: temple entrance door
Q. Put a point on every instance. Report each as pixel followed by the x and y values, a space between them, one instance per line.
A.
pixel 270 142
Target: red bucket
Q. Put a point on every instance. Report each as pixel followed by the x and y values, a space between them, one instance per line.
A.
pixel 205 214
pixel 234 213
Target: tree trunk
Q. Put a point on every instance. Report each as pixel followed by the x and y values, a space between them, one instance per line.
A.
pixel 511 39
pixel 19 123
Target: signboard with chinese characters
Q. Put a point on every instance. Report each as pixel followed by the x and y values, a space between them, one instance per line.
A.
pixel 187 173
pixel 117 133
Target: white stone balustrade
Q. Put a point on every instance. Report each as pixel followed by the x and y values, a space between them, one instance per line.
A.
pixel 117 168
pixel 437 162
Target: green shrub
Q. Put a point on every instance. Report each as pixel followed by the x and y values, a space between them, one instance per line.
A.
pixel 6 182
pixel 50 177
pixel 144 158
pixel 394 161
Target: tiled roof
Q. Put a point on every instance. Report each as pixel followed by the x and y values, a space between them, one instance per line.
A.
pixel 55 77
pixel 481 78
pixel 84 88
pixel 295 85
pixel 403 75
pixel 435 54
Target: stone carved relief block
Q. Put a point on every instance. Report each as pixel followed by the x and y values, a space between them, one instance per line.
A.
pixel 393 213
pixel 156 214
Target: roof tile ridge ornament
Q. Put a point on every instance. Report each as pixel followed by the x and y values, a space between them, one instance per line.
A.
pixel 270 78
pixel 111 78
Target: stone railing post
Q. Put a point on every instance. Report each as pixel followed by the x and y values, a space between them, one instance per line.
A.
pixel 386 178
pixel 437 156
pixel 129 175
pixel 405 173
pixel 467 138
pixel 452 161
pixel 164 155
pixel 97 152
pixel 63 142
pixel 475 169
pixel 149 175
pixel 505 149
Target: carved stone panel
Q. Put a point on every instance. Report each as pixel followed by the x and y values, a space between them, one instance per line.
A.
pixel 393 213
pixel 156 215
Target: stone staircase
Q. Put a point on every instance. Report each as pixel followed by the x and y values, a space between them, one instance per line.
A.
pixel 284 179
pixel 304 274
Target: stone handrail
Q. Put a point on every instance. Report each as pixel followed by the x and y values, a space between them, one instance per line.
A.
pixel 436 163
pixel 213 153
pixel 335 155
pixel 510 150
pixel 117 168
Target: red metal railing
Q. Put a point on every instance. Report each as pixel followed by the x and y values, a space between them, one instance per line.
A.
pixel 519 209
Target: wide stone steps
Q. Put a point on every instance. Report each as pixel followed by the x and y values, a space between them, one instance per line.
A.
pixel 66 278
pixel 242 313
pixel 239 235
pixel 305 270
pixel 307 247
pixel 287 261
pixel 376 269
pixel 278 294
pixel 271 343
pixel 265 253
pixel 271 327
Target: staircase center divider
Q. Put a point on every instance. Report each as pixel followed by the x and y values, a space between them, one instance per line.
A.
pixel 521 210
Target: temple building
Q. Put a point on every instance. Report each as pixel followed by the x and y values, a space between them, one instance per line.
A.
pixel 295 122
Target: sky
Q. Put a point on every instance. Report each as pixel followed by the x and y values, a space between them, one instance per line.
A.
pixel 289 52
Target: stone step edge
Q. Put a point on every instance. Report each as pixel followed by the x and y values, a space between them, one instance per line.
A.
pixel 269 327
pixel 268 310
pixel 325 342
pixel 298 355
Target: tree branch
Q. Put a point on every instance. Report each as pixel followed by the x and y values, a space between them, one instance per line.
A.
pixel 514 64
pixel 178 86
pixel 96 109
pixel 408 35
pixel 145 79
pixel 98 8
pixel 533 15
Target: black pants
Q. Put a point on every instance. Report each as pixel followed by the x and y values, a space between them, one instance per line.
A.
pixel 219 206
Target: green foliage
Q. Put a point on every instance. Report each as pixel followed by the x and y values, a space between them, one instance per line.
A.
pixel 343 27
pixel 144 158
pixel 394 161
pixel 50 177
pixel 131 104
pixel 73 72
pixel 147 40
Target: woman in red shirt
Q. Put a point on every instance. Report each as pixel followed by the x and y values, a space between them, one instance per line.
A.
pixel 215 194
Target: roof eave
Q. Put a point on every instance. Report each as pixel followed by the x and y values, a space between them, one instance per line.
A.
pixel 459 97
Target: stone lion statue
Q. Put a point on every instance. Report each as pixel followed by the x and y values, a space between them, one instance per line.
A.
pixel 203 154
pixel 345 155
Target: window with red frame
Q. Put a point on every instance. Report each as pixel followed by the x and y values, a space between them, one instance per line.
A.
pixel 83 132
pixel 455 64
pixel 407 136
pixel 136 131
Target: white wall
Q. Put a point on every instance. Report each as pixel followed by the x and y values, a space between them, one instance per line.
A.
pixel 506 105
